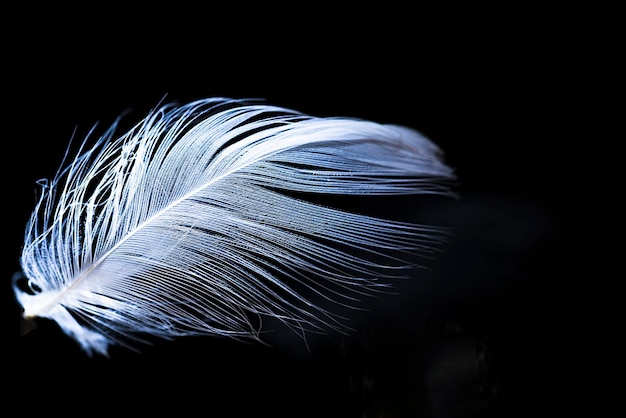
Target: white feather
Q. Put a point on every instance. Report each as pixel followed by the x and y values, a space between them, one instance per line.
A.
pixel 194 222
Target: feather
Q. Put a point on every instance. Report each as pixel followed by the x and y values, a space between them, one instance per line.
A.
pixel 202 220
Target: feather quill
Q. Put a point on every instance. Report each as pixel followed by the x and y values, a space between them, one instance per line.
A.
pixel 196 222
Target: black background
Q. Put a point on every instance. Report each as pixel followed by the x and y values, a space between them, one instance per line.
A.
pixel 481 337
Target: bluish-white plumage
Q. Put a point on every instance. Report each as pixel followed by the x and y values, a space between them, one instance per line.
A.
pixel 196 222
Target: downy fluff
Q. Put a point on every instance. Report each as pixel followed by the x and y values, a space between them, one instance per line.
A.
pixel 202 219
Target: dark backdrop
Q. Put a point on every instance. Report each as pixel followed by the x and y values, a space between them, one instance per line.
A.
pixel 479 339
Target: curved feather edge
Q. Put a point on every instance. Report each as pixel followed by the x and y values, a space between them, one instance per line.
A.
pixel 196 221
